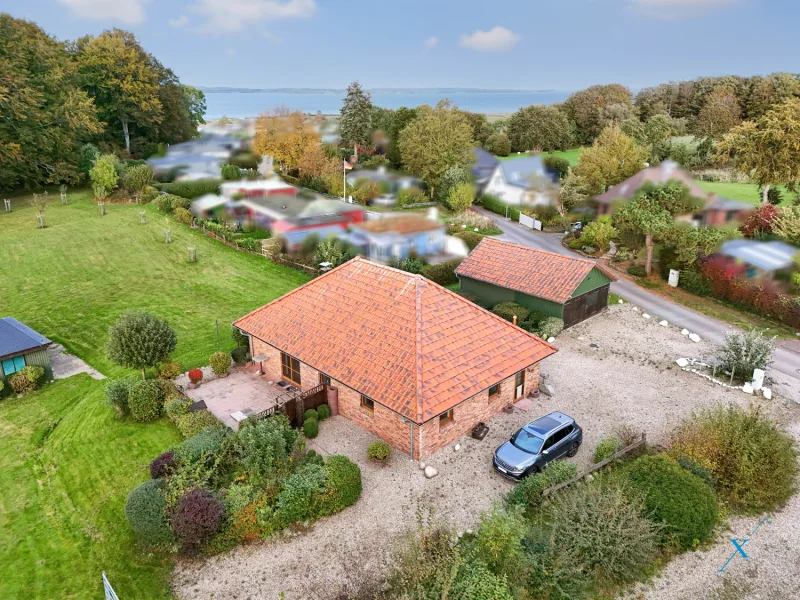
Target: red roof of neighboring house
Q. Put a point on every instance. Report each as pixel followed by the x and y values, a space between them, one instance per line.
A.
pixel 528 270
pixel 399 339
pixel 666 171
pixel 401 225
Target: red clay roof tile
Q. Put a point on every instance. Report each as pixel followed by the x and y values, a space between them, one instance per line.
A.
pixel 528 270
pixel 400 339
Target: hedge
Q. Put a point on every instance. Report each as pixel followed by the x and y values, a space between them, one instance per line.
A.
pixel 190 189
pixel 499 207
pixel 528 492
pixel 204 444
pixel 444 273
pixel 508 310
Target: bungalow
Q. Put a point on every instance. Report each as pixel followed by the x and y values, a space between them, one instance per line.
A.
pixel 257 187
pixel 388 182
pixel 571 289
pixel 716 211
pixel 512 181
pixel 398 237
pixel 410 361
pixel 21 346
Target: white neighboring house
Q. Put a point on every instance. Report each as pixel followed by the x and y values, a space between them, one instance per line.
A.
pixel 512 179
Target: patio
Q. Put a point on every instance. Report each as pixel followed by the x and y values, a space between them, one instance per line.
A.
pixel 241 393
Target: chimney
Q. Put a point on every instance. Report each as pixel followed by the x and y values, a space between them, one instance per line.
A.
pixel 514 319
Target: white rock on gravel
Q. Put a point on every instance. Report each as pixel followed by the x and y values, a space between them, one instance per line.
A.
pixel 431 472
pixel 694 337
pixel 620 301
pixel 664 323
pixel 747 388
pixel 646 316
pixel 550 340
pixel 422 466
pixel 684 332
pixel 767 393
pixel 457 447
pixel 636 308
pixel 682 362
pixel 547 389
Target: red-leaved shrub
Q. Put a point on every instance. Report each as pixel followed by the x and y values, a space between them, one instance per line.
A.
pixel 195 375
pixel 759 222
pixel 162 465
pixel 197 516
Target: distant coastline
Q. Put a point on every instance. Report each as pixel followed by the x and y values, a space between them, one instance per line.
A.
pixel 421 91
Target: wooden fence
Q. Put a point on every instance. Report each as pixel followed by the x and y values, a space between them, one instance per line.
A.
pixel 619 454
pixel 294 404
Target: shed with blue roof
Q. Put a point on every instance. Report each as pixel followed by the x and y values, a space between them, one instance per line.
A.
pixel 21 346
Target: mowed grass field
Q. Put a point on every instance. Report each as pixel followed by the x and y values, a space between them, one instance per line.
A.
pixel 571 155
pixel 66 467
pixel 66 463
pixel 71 280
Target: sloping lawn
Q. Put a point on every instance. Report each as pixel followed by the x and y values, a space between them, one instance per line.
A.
pixel 66 467
pixel 744 192
pixel 71 280
pixel 571 155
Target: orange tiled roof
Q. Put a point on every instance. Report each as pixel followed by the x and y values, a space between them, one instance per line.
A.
pixel 402 225
pixel 528 270
pixel 399 339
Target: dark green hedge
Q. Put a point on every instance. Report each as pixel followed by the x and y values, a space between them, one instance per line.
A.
pixel 190 189
pixel 496 205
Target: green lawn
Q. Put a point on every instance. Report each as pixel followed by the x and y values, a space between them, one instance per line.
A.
pixel 62 495
pixel 71 280
pixel 744 192
pixel 571 155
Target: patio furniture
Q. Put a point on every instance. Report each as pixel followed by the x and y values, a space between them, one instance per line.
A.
pixel 241 415
pixel 197 406
pixel 260 359
pixel 479 431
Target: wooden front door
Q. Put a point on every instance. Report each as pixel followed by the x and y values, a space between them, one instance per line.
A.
pixel 519 385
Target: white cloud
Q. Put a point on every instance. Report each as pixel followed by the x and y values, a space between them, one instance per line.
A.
pixel 230 16
pixel 496 39
pixel 179 22
pixel 129 12
pixel 431 42
pixel 677 9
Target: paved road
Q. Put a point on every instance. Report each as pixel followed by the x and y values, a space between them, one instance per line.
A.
pixel 784 360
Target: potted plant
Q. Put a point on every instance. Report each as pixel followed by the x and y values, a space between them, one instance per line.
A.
pixel 195 377
pixel 220 363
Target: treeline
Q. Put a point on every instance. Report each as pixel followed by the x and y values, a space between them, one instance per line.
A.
pixel 105 90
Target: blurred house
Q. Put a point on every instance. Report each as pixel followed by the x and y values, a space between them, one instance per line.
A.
pixel 716 212
pixel 398 237
pixel 200 156
pixel 388 182
pixel 257 187
pixel 484 166
pixel 523 180
pixel 208 205
pixel 761 258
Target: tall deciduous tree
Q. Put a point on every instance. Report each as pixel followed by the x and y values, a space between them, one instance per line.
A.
pixel 613 158
pixel 651 213
pixel 44 115
pixel 767 91
pixel 538 127
pixel 438 138
pixel 401 117
pixel 720 113
pixel 481 129
pixel 585 108
pixel 355 122
pixel 139 339
pixel 285 136
pixel 767 149
pixel 121 78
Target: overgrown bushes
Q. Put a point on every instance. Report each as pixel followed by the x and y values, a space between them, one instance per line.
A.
pixel 117 395
pixel 528 492
pixel 471 238
pixel 444 273
pixel 606 447
pixel 193 423
pixel 145 400
pixel 744 352
pixel 190 189
pixel 753 463
pixel 26 379
pixel 183 215
pixel 509 310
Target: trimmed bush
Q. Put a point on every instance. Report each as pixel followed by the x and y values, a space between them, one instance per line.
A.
pixel 163 203
pixel 471 238
pixel 606 447
pixel 752 461
pixel 299 497
pixel 176 203
pixel 146 511
pixel 637 270
pixel 117 395
pixel 311 428
pixel 323 411
pixel 169 389
pixel 145 401
pixel 162 465
pixel 190 189
pixel 202 445
pixel 379 451
pixel 494 204
pixel 169 369
pixel 193 423
pixel 343 484
pixel 676 498
pixel 443 273
pixel 240 355
pixel 197 516
pixel 220 362
pixel 149 194
pixel 508 310
pixel 177 407
pixel 196 376
pixel 183 215
pixel 550 327
pixel 528 492
pixel 575 244
pixel 311 414
pixel 230 172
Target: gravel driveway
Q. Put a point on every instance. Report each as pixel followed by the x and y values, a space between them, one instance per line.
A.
pixel 629 378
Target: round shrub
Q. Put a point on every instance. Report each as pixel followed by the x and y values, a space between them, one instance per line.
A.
pixel 183 215
pixel 605 448
pixel 753 462
pixel 26 380
pixel 311 414
pixel 177 202
pixel 162 465
pixel 673 496
pixel 299 498
pixel 220 362
pixel 193 423
pixel 177 407
pixel 146 511
pixel 197 516
pixel 196 376
pixel 637 270
pixel 323 411
pixel 551 327
pixel 145 400
pixel 343 486
pixel 240 355
pixel 163 203
pixel 508 310
pixel 117 395
pixel 311 428
pixel 169 369
pixel 471 238
pixel 379 451
pixel 575 244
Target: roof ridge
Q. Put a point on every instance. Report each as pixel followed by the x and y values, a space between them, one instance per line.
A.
pixel 418 348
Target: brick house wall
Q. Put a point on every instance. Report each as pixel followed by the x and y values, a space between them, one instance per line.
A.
pixel 390 426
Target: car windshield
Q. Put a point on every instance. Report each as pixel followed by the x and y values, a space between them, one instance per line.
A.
pixel 528 442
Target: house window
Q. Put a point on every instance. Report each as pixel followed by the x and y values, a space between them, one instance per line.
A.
pixel 445 418
pixel 519 385
pixel 494 390
pixel 324 379
pixel 367 403
pixel 290 368
pixel 12 365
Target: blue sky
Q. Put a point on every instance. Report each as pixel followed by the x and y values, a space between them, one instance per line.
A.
pixel 517 44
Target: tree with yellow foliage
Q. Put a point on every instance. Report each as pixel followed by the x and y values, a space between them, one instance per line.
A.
pixel 285 136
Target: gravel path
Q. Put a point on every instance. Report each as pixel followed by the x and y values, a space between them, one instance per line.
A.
pixel 629 378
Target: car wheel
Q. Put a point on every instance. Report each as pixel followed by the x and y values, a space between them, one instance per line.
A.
pixel 532 471
pixel 573 450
